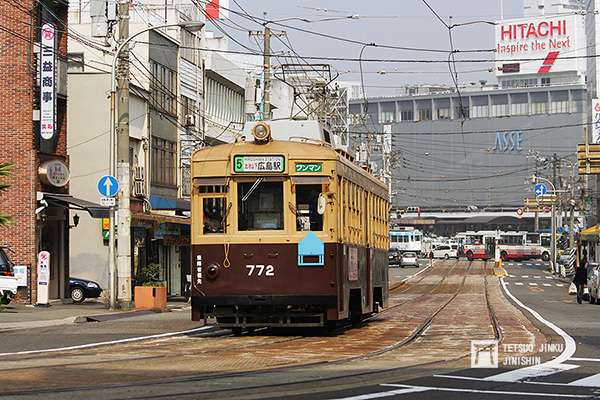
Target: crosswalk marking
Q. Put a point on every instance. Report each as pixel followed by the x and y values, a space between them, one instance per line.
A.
pixel 535 284
pixel 519 283
pixel 546 284
pixel 532 284
pixel 560 285
pixel 524 276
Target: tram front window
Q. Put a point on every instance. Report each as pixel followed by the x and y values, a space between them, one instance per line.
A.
pixel 215 215
pixel 307 216
pixel 260 205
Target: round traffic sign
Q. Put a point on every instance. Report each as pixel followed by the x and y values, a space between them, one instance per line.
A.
pixel 519 211
pixel 546 209
pixel 108 186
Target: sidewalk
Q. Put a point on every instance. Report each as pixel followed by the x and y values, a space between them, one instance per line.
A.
pixel 20 316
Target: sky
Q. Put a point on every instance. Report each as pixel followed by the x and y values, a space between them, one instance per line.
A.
pixel 406 23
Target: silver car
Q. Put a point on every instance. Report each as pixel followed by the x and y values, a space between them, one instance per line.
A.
pixel 409 259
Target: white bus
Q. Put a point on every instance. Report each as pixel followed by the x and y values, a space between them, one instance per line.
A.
pixel 407 239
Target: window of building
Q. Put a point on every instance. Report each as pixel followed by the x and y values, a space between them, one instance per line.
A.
pixel 75 62
pixel 307 217
pixel 519 104
pixel 260 205
pixel 163 88
pixel 545 81
pixel 465 112
pixel 559 102
pixel 407 115
pixel 443 113
pixel 214 213
pixel 539 107
pixel 479 111
pixel 164 162
pixel 386 116
pixel 189 45
pixel 499 106
pixel 424 114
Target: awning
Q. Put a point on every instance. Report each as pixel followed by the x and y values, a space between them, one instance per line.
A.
pixel 160 218
pixel 165 203
pixel 591 233
pixel 73 203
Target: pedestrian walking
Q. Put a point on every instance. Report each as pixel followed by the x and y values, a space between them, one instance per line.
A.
pixel 580 280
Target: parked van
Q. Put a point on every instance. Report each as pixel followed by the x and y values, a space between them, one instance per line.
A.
pixel 444 251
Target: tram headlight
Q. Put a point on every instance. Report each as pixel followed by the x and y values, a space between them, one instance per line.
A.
pixel 261 132
pixel 212 272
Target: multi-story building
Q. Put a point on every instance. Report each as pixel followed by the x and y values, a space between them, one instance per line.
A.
pixel 534 8
pixel 180 99
pixel 476 147
pixel 34 139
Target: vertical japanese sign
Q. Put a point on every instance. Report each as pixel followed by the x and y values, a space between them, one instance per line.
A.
pixel 47 82
pixel 596 121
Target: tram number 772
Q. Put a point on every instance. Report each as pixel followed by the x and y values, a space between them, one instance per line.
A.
pixel 261 270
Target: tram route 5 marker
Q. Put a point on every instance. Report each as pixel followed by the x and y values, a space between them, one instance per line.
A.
pixel 108 186
pixel 245 164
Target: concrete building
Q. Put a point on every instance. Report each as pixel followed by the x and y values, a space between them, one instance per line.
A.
pixel 34 139
pixel 534 8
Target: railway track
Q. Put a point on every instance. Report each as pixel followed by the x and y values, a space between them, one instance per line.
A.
pixel 352 351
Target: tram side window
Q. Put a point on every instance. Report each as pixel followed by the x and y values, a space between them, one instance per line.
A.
pixel 215 215
pixel 260 206
pixel 307 217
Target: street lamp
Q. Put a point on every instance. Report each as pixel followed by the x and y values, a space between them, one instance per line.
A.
pixel 192 26
pixel 534 179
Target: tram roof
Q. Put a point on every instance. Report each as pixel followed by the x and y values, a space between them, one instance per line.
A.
pixel 296 149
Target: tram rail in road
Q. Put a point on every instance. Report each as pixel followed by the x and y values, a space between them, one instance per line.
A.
pixel 437 301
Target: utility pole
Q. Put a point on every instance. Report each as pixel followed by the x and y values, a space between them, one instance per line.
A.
pixel 123 169
pixel 267 73
pixel 266 100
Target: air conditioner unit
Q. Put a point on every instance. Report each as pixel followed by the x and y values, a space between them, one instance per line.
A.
pixel 138 173
pixel 139 189
pixel 189 120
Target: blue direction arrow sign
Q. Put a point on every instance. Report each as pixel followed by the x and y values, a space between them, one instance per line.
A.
pixel 540 189
pixel 108 186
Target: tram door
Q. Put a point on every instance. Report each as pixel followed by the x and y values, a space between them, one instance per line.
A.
pixel 490 247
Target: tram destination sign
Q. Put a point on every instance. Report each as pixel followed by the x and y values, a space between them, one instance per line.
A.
pixel 253 164
pixel 309 167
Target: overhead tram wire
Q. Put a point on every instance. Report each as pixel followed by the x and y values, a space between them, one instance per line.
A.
pixel 338 38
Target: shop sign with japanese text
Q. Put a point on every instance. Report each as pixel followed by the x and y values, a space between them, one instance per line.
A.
pixel 47 83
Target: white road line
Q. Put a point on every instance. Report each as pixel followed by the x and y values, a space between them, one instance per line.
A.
pixel 524 276
pixel 590 381
pixel 549 277
pixel 547 284
pixel 532 284
pixel 537 277
pixel 470 378
pixel 584 359
pixel 544 369
pixel 519 283
pixel 501 392
pixel 414 275
pixel 560 285
pixel 111 342
pixel 385 394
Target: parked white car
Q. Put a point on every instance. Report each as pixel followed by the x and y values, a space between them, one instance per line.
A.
pixel 8 282
pixel 444 251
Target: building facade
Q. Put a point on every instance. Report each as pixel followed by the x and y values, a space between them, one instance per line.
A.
pixel 34 140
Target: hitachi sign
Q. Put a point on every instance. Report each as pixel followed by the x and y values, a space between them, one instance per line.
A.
pixel 532 30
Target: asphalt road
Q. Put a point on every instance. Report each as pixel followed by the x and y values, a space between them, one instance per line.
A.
pixel 574 378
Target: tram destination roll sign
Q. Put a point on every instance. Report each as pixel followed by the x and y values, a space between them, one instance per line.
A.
pixel 47 82
pixel 246 164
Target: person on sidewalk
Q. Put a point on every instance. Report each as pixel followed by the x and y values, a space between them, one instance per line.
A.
pixel 580 280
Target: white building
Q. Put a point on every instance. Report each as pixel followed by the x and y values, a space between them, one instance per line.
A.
pixel 535 8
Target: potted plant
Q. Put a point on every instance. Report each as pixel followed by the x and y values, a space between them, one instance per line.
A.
pixel 152 294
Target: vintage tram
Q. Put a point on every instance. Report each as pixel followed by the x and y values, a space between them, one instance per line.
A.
pixel 286 233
